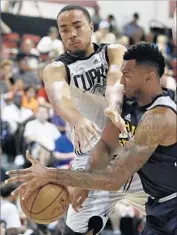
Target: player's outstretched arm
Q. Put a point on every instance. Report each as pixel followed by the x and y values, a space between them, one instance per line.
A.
pixel 114 90
pixel 157 127
pixel 58 90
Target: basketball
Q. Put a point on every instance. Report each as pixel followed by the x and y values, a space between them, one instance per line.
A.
pixel 46 204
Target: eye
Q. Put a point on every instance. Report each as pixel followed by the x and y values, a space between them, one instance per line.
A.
pixel 78 26
pixel 63 31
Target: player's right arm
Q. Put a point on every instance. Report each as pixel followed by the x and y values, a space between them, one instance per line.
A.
pixel 58 91
pixel 101 156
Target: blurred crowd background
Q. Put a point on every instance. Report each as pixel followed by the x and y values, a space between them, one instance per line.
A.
pixel 27 119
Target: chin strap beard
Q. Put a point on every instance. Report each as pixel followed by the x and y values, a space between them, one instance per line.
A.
pixel 78 53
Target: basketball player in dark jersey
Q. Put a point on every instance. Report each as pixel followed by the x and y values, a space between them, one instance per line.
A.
pixel 152 150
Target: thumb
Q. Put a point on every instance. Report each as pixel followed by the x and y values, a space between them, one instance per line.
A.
pixel 30 158
pixel 122 126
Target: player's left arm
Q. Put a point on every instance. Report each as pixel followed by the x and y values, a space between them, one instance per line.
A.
pixel 114 90
pixel 157 127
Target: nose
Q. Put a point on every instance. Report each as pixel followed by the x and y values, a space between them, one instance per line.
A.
pixel 72 33
pixel 122 81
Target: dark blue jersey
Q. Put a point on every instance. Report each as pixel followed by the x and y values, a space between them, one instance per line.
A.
pixel 159 174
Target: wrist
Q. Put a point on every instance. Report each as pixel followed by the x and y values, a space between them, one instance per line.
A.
pixel 77 120
pixel 53 175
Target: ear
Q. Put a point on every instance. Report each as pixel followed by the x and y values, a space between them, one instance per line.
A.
pixel 150 76
pixel 92 26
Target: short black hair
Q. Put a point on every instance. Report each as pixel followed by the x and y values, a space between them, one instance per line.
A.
pixel 136 15
pixel 146 54
pixel 6 190
pixel 76 7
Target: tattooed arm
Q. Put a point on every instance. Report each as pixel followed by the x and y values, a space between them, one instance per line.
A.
pixel 157 127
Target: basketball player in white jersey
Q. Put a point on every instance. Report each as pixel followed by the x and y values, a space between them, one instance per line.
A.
pixel 82 85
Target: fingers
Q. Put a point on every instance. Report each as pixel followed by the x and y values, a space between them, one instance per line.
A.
pixel 19 178
pixel 18 172
pixel 116 119
pixel 28 191
pixel 19 190
pixel 122 126
pixel 78 204
pixel 93 130
pixel 87 138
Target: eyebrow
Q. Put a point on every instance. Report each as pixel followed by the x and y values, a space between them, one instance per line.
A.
pixel 64 25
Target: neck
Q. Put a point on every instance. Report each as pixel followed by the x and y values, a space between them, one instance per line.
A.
pixel 42 122
pixel 146 98
pixel 90 49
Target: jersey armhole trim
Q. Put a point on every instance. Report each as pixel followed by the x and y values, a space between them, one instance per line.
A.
pixel 106 54
pixel 165 106
pixel 68 74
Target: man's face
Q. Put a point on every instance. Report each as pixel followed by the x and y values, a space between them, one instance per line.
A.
pixel 133 79
pixel 31 93
pixel 42 114
pixel 7 69
pixel 75 31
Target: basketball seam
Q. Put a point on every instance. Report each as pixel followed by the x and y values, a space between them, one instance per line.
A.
pixel 45 207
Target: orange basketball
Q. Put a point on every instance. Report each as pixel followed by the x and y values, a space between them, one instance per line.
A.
pixel 46 204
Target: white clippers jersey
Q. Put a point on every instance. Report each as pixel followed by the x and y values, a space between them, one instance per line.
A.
pixel 87 79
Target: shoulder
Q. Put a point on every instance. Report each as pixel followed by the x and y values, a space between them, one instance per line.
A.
pixel 115 52
pixel 52 127
pixel 116 47
pixel 45 39
pixel 157 123
pixel 8 206
pixel 55 68
pixel 158 116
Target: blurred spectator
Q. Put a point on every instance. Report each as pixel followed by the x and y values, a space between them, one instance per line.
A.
pixel 162 43
pixel 5 29
pixel 133 30
pixel 96 18
pixel 149 37
pixel 43 133
pixel 112 24
pixel 29 99
pixel 9 211
pixel 24 72
pixel 167 81
pixel 64 149
pixel 3 227
pixel 15 114
pixel 124 40
pixel 29 51
pixel 6 77
pixel 51 42
pixel 19 87
pixel 42 96
pixel 103 35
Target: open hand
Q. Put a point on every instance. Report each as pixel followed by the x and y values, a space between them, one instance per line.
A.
pixel 77 197
pixel 116 118
pixel 84 131
pixel 33 177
